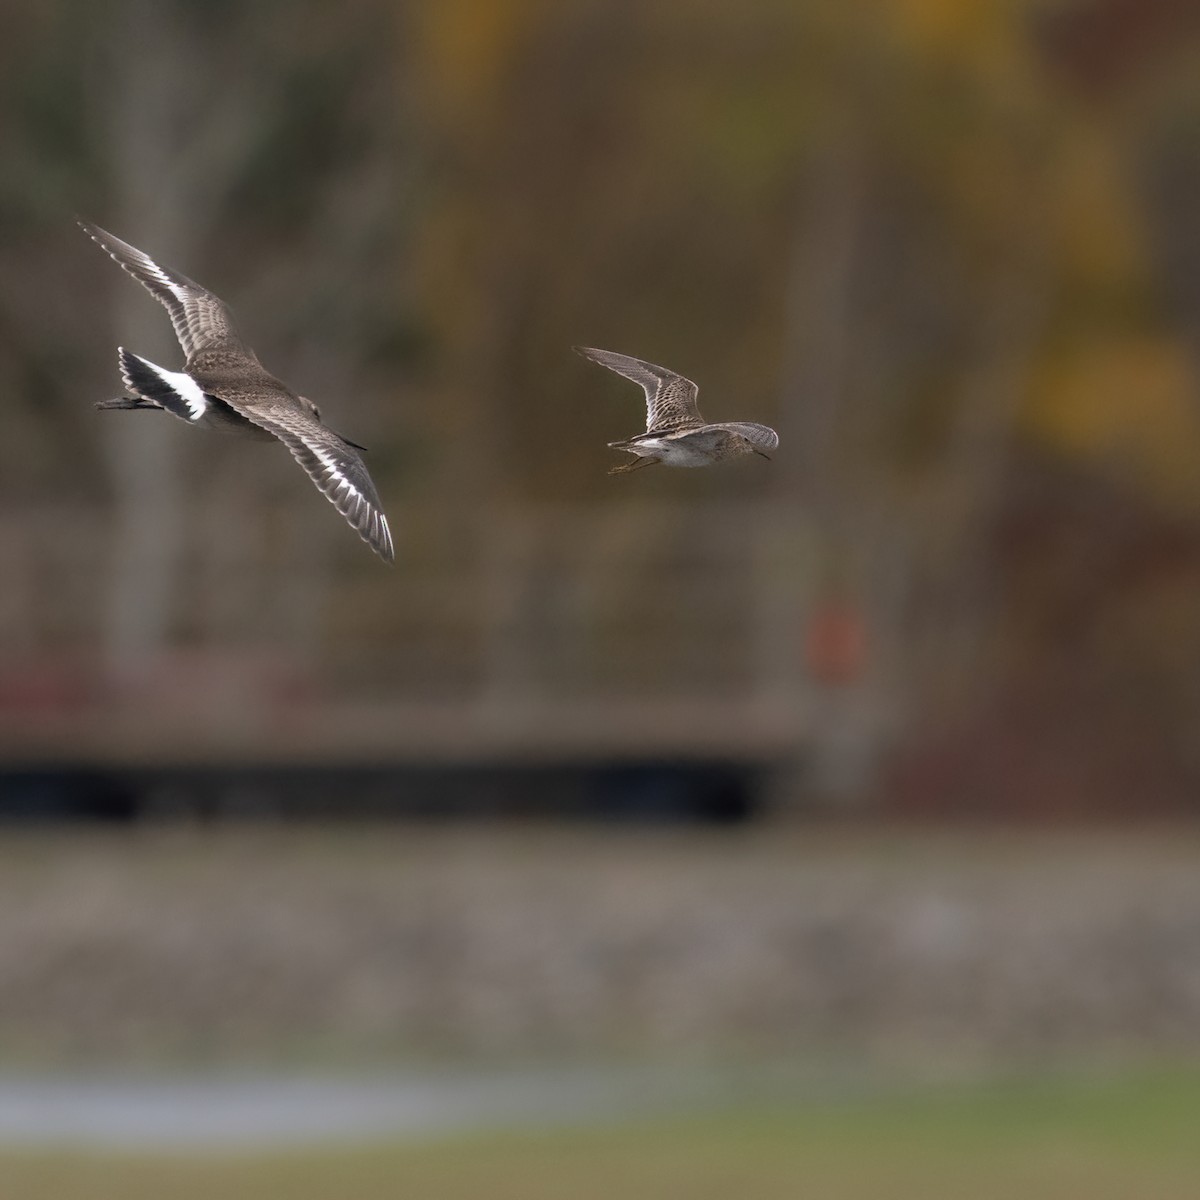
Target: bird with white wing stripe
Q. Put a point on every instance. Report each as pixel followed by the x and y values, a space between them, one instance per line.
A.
pixel 224 384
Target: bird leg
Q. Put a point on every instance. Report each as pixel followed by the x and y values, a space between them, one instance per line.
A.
pixel 640 461
pixel 128 402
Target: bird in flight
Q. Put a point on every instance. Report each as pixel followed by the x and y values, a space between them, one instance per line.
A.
pixel 676 434
pixel 223 384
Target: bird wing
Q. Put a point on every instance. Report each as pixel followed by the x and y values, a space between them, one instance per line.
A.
pixel 762 437
pixel 670 398
pixel 332 464
pixel 201 320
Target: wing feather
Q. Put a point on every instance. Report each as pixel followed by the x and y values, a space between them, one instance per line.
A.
pixel 761 436
pixel 201 320
pixel 670 398
pixel 335 467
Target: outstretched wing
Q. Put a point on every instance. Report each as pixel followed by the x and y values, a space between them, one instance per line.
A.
pixel 670 398
pixel 201 320
pixel 333 465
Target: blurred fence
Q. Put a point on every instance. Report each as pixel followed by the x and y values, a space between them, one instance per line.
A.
pixel 635 627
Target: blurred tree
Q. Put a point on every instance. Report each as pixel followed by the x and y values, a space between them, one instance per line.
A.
pixel 200 133
pixel 902 233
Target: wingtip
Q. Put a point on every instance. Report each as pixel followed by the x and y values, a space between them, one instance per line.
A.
pixel 101 237
pixel 380 540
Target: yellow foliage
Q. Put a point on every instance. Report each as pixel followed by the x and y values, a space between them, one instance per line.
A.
pixel 1099 231
pixel 468 44
pixel 950 24
pixel 1130 406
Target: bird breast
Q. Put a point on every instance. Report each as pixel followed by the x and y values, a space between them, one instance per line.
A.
pixel 677 453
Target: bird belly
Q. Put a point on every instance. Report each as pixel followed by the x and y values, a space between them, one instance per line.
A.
pixel 680 454
pixel 227 419
pixel 670 452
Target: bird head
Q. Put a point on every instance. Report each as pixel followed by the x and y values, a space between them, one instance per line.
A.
pixel 748 447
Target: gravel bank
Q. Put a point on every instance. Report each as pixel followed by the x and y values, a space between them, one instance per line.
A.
pixel 394 943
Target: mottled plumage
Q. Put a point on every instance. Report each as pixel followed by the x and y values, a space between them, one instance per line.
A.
pixel 224 384
pixel 676 434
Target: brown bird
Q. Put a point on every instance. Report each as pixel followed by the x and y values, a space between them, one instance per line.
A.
pixel 676 434
pixel 224 384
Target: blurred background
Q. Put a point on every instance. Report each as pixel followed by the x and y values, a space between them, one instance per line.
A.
pixel 884 752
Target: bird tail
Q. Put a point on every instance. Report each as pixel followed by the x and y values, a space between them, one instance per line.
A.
pixel 175 391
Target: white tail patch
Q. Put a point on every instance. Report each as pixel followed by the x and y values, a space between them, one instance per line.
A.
pixel 176 391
